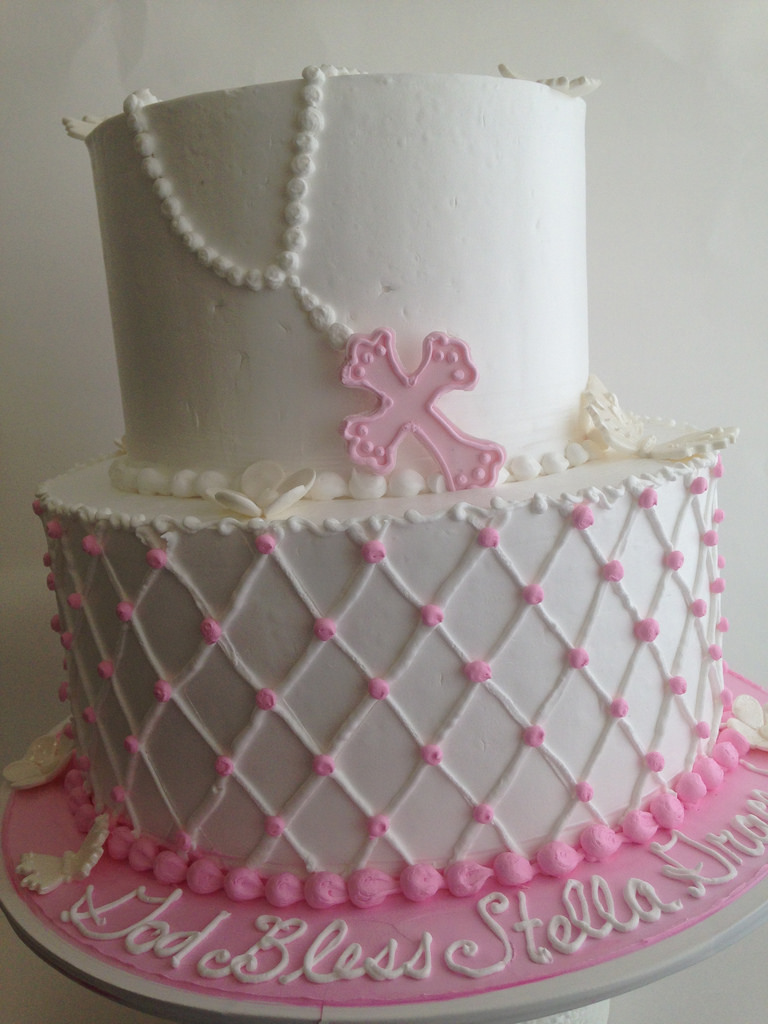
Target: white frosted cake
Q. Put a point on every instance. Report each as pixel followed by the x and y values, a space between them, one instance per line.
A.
pixel 372 676
pixel 383 596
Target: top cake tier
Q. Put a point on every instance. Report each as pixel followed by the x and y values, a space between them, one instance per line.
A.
pixel 248 233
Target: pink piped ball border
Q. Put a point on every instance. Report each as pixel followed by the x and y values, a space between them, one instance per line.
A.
pixel 179 864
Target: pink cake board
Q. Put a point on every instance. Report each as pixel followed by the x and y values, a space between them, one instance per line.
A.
pixel 504 954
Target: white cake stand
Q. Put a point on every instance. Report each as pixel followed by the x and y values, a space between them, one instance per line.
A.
pixel 577 997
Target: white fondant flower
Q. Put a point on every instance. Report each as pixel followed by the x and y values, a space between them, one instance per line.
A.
pixel 750 718
pixel 265 491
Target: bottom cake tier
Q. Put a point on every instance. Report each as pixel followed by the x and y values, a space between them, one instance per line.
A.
pixel 414 687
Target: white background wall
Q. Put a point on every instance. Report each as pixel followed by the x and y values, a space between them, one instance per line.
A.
pixel 678 260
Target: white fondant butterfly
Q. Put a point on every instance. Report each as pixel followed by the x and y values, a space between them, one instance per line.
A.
pixel 625 433
pixel 46 757
pixel 607 422
pixel 44 872
pixel 750 718
pixel 580 86
pixel 80 127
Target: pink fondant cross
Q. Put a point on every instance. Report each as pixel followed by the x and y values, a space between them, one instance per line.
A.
pixel 407 405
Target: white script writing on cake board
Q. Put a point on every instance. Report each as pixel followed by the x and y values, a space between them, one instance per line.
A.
pixel 589 910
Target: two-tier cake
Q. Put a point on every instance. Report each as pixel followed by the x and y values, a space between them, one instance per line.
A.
pixel 384 602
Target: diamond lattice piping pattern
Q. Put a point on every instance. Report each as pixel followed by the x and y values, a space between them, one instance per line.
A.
pixel 329 722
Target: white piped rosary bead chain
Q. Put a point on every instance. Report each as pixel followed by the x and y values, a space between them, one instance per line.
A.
pixel 314 75
pixel 284 268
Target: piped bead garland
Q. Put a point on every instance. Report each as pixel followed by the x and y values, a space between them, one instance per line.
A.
pixel 283 270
